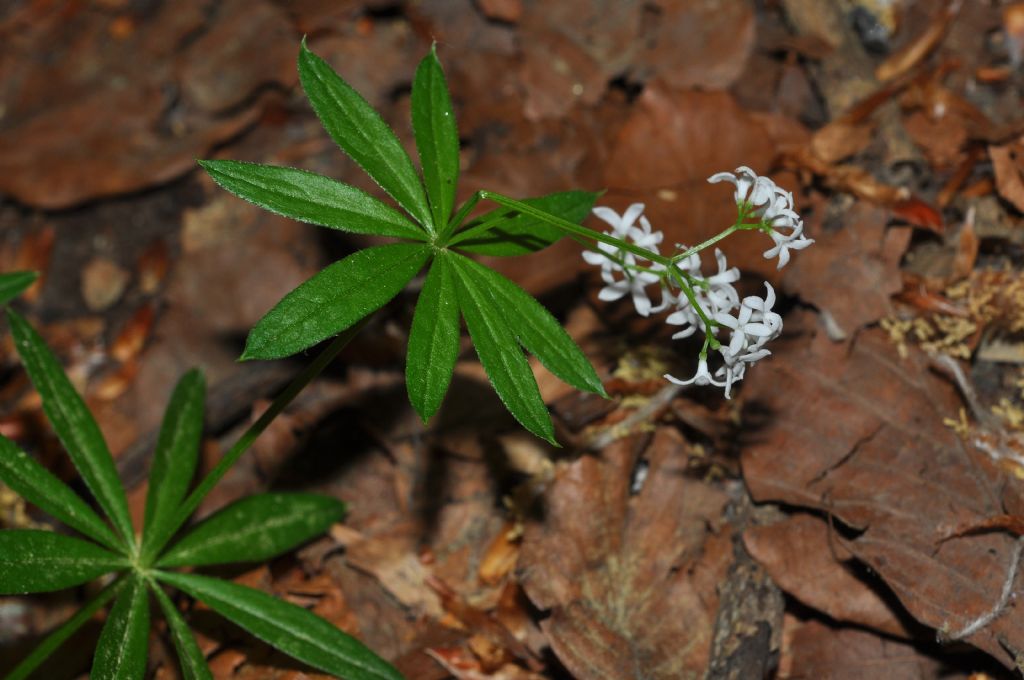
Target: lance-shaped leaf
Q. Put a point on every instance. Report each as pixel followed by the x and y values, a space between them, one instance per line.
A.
pixel 124 642
pixel 334 299
pixel 538 331
pixel 177 452
pixel 54 640
pixel 522 234
pixel 37 485
pixel 191 658
pixel 73 424
pixel 363 135
pixel 499 352
pixel 433 339
pixel 309 197
pixel 437 138
pixel 293 630
pixel 255 529
pixel 33 561
pixel 14 283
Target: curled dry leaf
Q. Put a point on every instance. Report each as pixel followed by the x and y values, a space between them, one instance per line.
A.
pixel 630 580
pixel 858 433
pixel 914 53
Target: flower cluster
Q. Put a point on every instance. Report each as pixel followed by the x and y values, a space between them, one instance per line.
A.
pixel 636 275
pixel 763 199
pixel 702 303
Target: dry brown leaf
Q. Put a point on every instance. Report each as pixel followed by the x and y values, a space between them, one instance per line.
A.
pixel 852 272
pixel 1008 162
pixel 858 433
pixel 808 564
pixel 814 649
pixel 701 44
pixel 98 117
pixel 630 580
pixel 913 53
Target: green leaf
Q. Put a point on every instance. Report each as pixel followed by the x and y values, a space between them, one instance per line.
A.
pixel 14 283
pixel 363 135
pixel 37 485
pixel 124 642
pixel 298 633
pixel 174 462
pixel 499 352
pixel 255 529
pixel 309 197
pixel 34 561
pixel 538 331
pixel 437 137
pixel 193 663
pixel 334 299
pixel 54 640
pixel 73 424
pixel 522 234
pixel 433 339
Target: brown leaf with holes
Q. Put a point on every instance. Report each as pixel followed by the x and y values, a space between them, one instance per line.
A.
pixel 857 432
pixel 810 565
pixel 629 579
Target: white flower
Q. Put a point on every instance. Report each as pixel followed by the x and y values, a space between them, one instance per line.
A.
pixel 613 260
pixel 753 327
pixel 773 206
pixel 702 377
pixel 715 294
pixel 795 240
pixel 750 188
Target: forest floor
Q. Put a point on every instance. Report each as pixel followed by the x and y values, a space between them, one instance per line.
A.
pixel 854 511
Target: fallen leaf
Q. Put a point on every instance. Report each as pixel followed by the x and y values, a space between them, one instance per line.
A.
pixel 853 271
pixel 856 432
pixel 629 579
pixel 1008 163
pixel 809 565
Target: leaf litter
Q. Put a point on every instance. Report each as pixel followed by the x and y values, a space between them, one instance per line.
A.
pixel 469 551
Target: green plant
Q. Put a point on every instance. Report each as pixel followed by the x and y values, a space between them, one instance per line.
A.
pixel 502 318
pixel 503 322
pixel 253 529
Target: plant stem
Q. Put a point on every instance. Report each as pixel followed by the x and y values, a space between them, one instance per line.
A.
pixel 456 221
pixel 249 436
pixel 55 639
pixel 577 230
pixel 566 225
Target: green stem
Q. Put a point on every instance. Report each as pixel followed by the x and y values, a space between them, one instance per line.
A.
pixel 249 436
pixel 575 229
pixel 710 242
pixel 456 221
pixel 572 228
pixel 55 639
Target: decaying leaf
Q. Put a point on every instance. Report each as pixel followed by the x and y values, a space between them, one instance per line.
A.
pixel 857 433
pixel 629 579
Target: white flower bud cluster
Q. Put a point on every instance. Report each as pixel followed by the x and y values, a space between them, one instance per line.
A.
pixel 751 322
